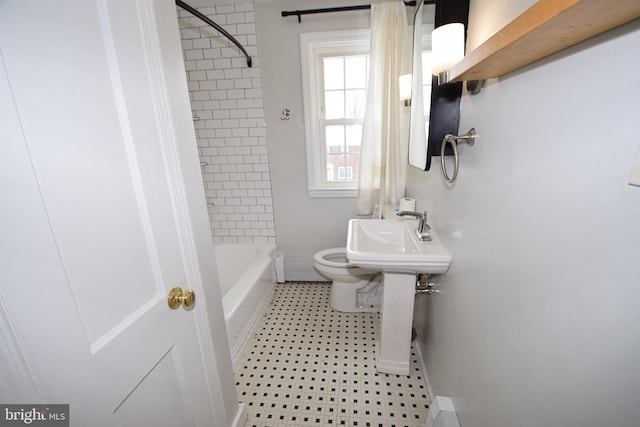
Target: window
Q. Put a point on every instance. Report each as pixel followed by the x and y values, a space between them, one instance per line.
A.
pixel 335 68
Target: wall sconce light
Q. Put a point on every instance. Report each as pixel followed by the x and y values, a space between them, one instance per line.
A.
pixel 447 45
pixel 405 89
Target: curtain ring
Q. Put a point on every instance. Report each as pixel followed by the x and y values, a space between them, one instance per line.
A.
pixel 449 139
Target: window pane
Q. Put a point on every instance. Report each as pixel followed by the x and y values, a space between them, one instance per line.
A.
pixel 355 72
pixel 355 104
pixel 333 73
pixel 334 104
pixel 335 157
pixel 354 138
pixel 330 173
pixel 334 137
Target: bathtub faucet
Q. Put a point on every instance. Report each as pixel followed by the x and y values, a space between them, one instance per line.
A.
pixel 422 231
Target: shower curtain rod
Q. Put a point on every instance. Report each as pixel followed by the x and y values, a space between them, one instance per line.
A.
pixel 221 30
pixel 299 13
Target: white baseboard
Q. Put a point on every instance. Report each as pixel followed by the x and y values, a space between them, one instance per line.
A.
pixel 442 413
pixel 241 416
pixel 423 367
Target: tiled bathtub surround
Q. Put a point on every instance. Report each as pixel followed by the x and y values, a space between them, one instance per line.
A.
pixel 226 100
pixel 311 365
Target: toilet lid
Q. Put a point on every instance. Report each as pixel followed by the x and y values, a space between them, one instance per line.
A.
pixel 334 257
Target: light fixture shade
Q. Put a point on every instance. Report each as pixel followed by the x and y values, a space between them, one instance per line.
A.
pixel 405 87
pixel 447 45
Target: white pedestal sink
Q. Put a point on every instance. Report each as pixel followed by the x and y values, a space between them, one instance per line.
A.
pixel 392 247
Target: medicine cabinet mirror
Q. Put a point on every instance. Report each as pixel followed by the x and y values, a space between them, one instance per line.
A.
pixel 435 110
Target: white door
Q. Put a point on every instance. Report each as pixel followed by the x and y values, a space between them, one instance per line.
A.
pixel 94 231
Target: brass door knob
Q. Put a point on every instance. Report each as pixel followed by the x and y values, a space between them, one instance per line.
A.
pixel 177 298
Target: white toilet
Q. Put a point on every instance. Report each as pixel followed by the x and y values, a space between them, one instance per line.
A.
pixel 354 289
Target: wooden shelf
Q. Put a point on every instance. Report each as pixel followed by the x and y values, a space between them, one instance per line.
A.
pixel 545 28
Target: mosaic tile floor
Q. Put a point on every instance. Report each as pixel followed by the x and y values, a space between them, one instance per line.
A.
pixel 311 365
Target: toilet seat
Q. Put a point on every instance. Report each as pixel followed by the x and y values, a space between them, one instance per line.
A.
pixel 348 281
pixel 324 258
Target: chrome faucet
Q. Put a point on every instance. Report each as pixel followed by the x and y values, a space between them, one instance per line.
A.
pixel 422 231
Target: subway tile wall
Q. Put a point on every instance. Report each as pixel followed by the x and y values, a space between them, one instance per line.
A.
pixel 227 106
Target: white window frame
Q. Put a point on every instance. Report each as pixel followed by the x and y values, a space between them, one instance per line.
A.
pixel 314 46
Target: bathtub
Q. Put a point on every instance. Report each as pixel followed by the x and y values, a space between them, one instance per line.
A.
pixel 246 273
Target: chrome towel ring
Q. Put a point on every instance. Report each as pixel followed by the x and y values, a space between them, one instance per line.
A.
pixel 468 138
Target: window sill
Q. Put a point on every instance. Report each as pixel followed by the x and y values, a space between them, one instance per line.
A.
pixel 332 192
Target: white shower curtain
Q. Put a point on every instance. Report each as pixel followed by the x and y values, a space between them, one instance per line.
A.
pixel 383 153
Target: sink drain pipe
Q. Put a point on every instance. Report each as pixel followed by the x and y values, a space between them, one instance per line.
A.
pixel 424 286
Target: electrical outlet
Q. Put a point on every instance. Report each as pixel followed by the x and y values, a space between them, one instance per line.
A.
pixel 635 173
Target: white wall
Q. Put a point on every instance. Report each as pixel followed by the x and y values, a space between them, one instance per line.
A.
pixel 304 225
pixel 536 322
